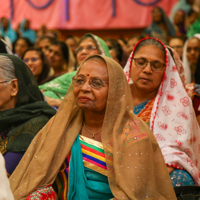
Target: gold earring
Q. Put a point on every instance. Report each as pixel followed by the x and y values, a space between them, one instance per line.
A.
pixel 14 94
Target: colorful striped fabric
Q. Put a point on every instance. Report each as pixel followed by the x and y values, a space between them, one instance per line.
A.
pixel 62 180
pixel 93 158
pixel 93 155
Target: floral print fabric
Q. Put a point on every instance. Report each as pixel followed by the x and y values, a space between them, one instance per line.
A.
pixel 173 121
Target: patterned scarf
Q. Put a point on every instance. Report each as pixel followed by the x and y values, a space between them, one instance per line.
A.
pixel 173 119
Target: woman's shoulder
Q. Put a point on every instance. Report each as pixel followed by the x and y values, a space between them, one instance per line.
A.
pixel 34 124
pixel 135 130
pixel 59 80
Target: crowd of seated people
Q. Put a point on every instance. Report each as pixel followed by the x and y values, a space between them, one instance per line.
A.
pixel 92 118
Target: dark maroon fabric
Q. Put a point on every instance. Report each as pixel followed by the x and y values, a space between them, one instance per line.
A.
pixel 196 104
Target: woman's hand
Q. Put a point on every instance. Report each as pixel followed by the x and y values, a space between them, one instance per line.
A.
pixel 53 102
pixel 170 169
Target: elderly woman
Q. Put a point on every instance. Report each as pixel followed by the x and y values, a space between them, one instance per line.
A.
pixel 159 98
pixel 101 149
pixel 56 90
pixel 22 109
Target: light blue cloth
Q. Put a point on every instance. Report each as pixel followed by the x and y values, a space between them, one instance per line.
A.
pixel 9 32
pixel 85 183
pixel 29 34
pixel 181 178
pixel 139 107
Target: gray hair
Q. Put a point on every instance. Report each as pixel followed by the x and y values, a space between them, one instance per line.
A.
pixel 7 69
pixel 147 42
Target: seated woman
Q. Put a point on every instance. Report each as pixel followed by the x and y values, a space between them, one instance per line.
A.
pixel 191 51
pixel 161 27
pixel 177 44
pixel 115 50
pixel 72 42
pixel 37 62
pixel 22 109
pixel 160 99
pixel 180 22
pixel 6 30
pixel 43 43
pixel 26 32
pixel 56 89
pixel 20 46
pixel 101 149
pixel 59 59
pixel 193 21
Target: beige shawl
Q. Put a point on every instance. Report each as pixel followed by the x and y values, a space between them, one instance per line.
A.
pixel 136 169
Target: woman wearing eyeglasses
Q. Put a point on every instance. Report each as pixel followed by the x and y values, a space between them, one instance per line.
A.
pixel 22 109
pixel 36 61
pixel 95 147
pixel 56 89
pixel 160 99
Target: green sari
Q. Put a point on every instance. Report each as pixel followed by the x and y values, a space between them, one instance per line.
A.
pixel 30 114
pixel 58 87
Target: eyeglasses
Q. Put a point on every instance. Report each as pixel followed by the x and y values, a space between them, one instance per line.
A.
pixel 155 65
pixel 196 49
pixel 32 60
pixel 95 83
pixel 4 81
pixel 87 48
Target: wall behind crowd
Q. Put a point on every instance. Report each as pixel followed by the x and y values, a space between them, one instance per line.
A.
pixel 79 14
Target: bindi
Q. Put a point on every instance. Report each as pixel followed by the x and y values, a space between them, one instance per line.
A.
pixel 87 74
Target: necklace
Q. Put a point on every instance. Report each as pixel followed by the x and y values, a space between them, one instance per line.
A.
pixel 93 134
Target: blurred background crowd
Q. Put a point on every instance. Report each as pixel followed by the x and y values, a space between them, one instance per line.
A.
pixel 176 30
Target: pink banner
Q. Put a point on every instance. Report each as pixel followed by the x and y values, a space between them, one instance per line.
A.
pixel 83 14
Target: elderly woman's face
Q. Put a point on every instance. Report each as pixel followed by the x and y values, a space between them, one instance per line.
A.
pixel 192 51
pixel 8 93
pixel 147 79
pixel 86 48
pixel 87 97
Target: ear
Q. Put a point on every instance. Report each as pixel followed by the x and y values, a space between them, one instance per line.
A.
pixel 14 87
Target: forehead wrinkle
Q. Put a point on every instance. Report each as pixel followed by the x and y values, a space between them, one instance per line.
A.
pixel 150 59
pixel 94 73
pixel 148 54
